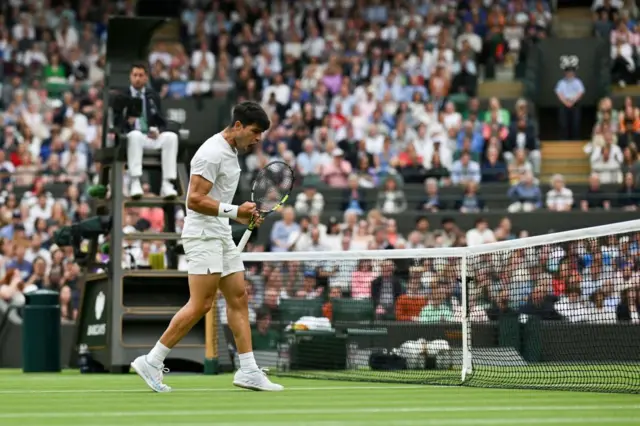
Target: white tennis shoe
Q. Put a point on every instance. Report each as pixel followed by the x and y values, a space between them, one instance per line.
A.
pixel 255 380
pixel 168 191
pixel 135 190
pixel 151 374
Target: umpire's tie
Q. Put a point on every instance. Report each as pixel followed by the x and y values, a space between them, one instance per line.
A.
pixel 144 127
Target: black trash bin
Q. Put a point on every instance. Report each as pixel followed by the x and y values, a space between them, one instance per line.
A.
pixel 41 332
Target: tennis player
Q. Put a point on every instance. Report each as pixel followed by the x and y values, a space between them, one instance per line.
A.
pixel 212 256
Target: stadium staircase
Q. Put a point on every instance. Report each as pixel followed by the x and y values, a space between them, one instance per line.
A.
pixel 567 158
pixel 502 89
pixel 632 90
pixel 574 22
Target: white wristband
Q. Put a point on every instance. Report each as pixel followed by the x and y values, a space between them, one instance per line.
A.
pixel 227 210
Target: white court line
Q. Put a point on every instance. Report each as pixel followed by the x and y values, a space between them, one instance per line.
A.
pixel 144 389
pixel 307 411
pixel 184 390
pixel 426 422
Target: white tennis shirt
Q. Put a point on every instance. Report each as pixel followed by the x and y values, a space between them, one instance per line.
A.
pixel 217 162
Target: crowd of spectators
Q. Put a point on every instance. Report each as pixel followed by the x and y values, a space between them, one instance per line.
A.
pixel 376 89
pixel 613 149
pixel 527 194
pixel 617 21
pixel 51 76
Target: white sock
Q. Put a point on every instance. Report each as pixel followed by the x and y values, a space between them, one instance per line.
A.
pixel 158 354
pixel 247 362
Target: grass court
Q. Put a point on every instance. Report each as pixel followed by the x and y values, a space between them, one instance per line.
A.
pixel 72 399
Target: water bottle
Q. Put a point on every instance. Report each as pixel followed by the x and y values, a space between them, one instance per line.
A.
pixel 84 359
pixel 284 357
pixel 110 140
pixel 352 356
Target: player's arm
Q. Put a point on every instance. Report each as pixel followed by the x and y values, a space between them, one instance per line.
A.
pixel 199 201
pixel 203 175
pixel 198 198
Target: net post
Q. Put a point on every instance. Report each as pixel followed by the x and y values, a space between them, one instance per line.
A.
pixel 211 365
pixel 466 327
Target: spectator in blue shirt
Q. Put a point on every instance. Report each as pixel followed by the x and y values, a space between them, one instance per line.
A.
pixel 177 87
pixel 526 195
pixel 344 98
pixel 309 160
pixel 383 120
pixel 465 170
pixel 20 263
pixel 393 85
pixel 7 232
pixel 474 134
pixel 415 87
pixel 569 91
pixel 377 13
pixel 466 147
pixel 283 229
pixel 354 198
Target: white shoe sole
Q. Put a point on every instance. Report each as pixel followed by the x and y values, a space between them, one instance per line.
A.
pixel 143 377
pixel 255 388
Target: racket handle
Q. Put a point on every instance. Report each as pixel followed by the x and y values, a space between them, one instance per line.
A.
pixel 245 239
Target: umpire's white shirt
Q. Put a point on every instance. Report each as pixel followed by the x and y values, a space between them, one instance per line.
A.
pixel 217 162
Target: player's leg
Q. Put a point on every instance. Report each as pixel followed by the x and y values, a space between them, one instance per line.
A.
pixel 168 142
pixel 233 289
pixel 204 259
pixel 150 367
pixel 136 142
pixel 202 291
pixel 248 376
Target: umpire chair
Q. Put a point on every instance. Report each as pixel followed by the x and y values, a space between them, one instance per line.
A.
pixel 124 311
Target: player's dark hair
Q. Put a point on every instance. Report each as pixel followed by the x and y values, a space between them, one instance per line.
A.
pixel 139 65
pixel 250 113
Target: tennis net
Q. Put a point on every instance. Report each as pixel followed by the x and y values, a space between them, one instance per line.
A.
pixel 557 311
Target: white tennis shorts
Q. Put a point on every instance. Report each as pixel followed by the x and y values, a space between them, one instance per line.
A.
pixel 212 256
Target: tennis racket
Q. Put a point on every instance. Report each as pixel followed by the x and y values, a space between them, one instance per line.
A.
pixel 270 190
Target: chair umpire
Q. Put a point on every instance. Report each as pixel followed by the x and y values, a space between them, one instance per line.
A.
pixel 149 132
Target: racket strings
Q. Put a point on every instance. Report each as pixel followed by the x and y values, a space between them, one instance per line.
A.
pixel 272 184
